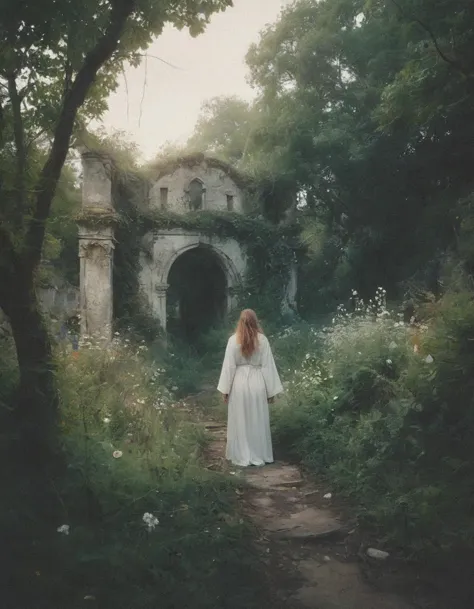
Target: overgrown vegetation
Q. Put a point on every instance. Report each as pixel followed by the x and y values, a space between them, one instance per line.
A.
pixel 358 154
pixel 135 518
pixel 270 251
pixel 383 409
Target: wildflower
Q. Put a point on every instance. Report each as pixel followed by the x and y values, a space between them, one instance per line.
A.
pixel 389 362
pixel 106 420
pixel 150 521
pixel 429 359
pixel 117 454
pixel 393 345
pixel 63 529
pixel 336 397
pixel 174 388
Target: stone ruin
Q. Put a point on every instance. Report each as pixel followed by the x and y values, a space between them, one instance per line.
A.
pixel 170 259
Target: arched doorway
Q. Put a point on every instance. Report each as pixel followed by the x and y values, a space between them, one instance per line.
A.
pixel 197 293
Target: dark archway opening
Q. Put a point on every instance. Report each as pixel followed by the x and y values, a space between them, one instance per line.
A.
pixel 196 299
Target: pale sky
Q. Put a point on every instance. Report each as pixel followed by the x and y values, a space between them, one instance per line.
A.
pixel 162 103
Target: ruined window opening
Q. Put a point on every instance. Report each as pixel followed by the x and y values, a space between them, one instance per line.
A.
pixel 164 197
pixel 196 194
pixel 230 202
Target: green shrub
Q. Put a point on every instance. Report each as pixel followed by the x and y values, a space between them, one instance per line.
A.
pixel 391 424
pixel 89 532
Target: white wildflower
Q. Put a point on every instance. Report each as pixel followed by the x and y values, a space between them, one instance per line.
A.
pixel 429 359
pixel 117 454
pixel 389 362
pixel 106 420
pixel 150 521
pixel 63 529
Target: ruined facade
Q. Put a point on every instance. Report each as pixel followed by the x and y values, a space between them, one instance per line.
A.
pixel 170 259
pixel 173 258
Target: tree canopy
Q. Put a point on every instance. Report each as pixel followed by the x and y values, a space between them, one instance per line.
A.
pixel 366 109
pixel 224 128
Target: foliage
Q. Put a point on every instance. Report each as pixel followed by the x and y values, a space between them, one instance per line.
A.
pixel 224 128
pixel 384 410
pixel 56 69
pixel 360 106
pixel 135 519
pixel 60 250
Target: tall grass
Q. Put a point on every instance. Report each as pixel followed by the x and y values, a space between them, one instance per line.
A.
pixel 134 520
pixel 385 410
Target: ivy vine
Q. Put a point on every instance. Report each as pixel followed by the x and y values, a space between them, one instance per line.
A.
pixel 270 251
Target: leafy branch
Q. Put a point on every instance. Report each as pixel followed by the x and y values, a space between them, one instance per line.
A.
pixel 449 60
pixel 102 52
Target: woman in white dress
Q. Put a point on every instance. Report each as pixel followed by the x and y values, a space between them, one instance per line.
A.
pixel 249 381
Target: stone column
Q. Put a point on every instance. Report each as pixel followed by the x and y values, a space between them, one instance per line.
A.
pixel 232 300
pixel 96 247
pixel 160 303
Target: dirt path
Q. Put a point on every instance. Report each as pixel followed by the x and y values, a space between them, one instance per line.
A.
pixel 308 549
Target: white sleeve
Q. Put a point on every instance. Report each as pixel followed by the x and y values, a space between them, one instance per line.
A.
pixel 228 369
pixel 270 372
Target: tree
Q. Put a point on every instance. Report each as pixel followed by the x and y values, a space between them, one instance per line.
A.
pixel 367 109
pixel 58 62
pixel 224 128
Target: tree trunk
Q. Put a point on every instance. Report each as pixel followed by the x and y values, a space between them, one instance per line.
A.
pixel 37 404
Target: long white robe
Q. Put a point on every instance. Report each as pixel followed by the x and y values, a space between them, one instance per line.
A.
pixel 250 383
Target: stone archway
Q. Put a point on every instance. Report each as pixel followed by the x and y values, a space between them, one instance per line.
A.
pixel 198 265
pixel 197 293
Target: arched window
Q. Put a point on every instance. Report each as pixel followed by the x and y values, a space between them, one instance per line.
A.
pixel 196 194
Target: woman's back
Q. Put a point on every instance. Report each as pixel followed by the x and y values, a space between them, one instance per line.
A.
pixel 257 356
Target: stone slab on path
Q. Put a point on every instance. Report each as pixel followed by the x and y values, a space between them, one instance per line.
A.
pixel 339 585
pixel 281 504
pixel 274 476
pixel 309 523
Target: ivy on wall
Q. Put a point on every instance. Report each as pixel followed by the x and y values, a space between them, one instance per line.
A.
pixel 270 250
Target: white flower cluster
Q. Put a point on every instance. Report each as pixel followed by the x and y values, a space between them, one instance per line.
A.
pixel 150 521
pixel 368 330
pixel 64 529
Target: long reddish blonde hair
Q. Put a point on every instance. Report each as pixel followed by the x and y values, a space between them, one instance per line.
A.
pixel 248 329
